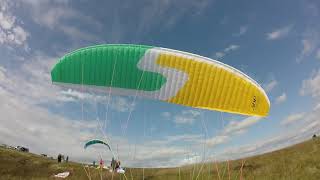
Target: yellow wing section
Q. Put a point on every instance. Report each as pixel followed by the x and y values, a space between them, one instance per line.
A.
pixel 215 86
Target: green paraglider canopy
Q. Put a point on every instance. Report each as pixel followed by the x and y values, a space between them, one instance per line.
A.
pixel 162 74
pixel 96 141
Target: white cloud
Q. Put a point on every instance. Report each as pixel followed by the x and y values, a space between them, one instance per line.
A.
pixel 317 107
pixel 227 50
pixel 187 139
pixel 279 33
pixel 216 140
pixel 72 95
pixel 184 138
pixel 312 9
pixel 6 22
pixel 236 126
pixel 167 13
pixel 311 126
pixel 310 42
pixel 311 86
pixel 147 155
pixel 219 54
pixel 271 85
pixel 260 147
pixel 187 117
pixel 53 16
pixel 318 54
pixel 160 153
pixel 2 74
pixel 191 159
pixel 41 131
pixel 282 98
pixel 231 48
pixel 120 104
pixel 56 16
pixel 123 104
pixel 11 33
pixel 166 114
pixel 308 121
pixel 242 31
pixel 232 129
pixel 31 82
pixel 19 35
pixel 307 46
pixel 292 118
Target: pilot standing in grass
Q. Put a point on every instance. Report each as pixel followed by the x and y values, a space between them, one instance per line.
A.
pixel 101 163
pixel 59 158
pixel 113 164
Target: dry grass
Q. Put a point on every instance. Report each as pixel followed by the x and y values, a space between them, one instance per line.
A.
pixel 301 161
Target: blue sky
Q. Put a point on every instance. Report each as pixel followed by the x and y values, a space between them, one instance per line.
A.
pixel 277 43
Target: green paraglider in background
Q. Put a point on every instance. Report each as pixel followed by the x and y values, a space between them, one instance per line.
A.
pixel 96 141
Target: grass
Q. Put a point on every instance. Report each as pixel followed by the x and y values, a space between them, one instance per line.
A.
pixel 301 161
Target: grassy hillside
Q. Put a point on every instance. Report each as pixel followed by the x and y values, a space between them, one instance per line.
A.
pixel 21 165
pixel 301 161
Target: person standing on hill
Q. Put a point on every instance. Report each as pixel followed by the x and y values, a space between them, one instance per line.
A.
pixel 59 158
pixel 117 164
pixel 113 164
pixel 101 163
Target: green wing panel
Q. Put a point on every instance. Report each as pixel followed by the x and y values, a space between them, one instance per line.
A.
pixel 107 66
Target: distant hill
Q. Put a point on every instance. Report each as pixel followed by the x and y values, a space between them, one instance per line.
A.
pixel 300 161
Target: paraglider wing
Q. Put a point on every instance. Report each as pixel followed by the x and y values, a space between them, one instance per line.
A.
pixel 96 141
pixel 162 74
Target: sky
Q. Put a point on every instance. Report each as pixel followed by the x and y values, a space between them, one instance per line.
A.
pixel 277 43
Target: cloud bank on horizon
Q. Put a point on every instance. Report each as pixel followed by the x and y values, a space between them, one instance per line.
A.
pixel 281 53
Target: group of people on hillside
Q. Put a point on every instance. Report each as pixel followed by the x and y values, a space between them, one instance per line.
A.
pixel 61 158
pixel 115 164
